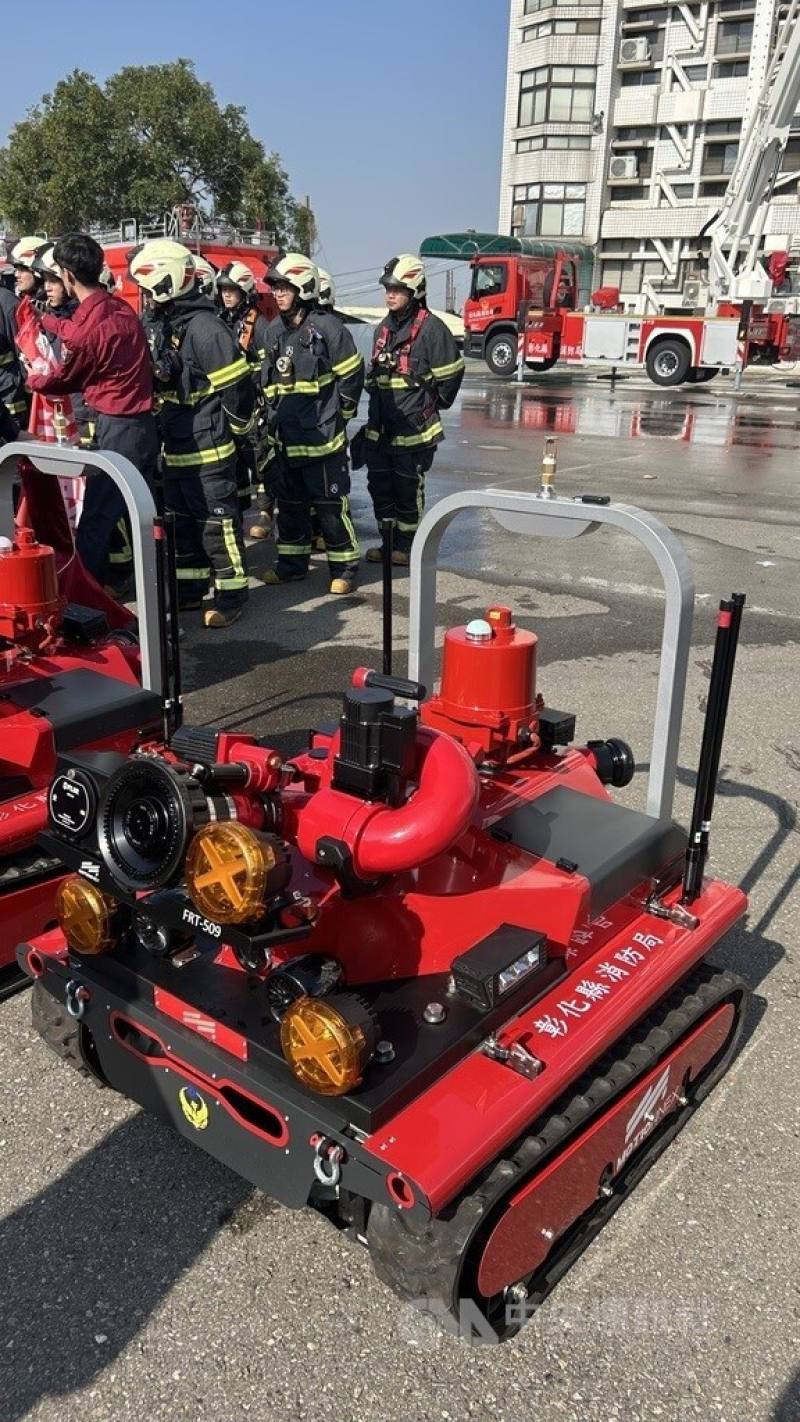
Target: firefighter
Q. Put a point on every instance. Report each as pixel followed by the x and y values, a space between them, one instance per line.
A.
pixel 314 378
pixel 105 359
pixel 236 288
pixel 206 401
pixel 12 376
pixel 27 281
pixel 416 371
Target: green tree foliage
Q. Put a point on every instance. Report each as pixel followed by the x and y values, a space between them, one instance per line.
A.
pixel 151 137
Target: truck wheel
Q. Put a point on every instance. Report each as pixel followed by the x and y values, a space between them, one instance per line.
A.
pixel 701 374
pixel 63 1034
pixel 668 362
pixel 501 353
pixel 540 366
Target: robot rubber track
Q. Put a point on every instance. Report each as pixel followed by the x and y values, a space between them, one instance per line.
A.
pixel 436 1266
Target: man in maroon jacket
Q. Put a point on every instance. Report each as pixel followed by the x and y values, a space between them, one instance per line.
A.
pixel 106 359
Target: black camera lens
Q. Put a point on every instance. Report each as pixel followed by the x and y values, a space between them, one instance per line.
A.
pixel 147 815
pixel 145 823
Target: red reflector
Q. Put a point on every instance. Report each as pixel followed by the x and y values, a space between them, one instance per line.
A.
pixel 206 1027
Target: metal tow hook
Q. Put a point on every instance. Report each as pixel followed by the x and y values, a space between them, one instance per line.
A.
pixel 76 998
pixel 328 1157
pixel 517 1057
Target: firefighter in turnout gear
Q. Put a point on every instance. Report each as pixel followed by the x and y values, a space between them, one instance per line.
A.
pixel 416 371
pixel 326 301
pixel 236 286
pixel 207 401
pixel 12 376
pixel 314 378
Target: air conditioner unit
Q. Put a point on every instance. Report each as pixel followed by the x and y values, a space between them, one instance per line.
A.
pixel 634 51
pixel 624 166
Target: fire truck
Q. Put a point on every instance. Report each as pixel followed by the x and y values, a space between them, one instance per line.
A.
pixel 525 294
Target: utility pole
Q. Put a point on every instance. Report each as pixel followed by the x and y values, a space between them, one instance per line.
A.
pixel 450 292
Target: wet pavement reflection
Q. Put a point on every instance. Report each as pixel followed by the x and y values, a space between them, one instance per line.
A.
pixel 620 412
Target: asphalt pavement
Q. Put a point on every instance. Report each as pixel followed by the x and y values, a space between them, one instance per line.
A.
pixel 140 1279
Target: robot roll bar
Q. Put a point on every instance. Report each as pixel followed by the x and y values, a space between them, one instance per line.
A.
pixel 558 517
pixel 68 461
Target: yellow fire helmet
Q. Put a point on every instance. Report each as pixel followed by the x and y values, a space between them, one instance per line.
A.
pixel 297 271
pixel 163 268
pixel 405 270
pixel 206 274
pixel 44 263
pixel 24 251
pixel 327 290
pixel 237 274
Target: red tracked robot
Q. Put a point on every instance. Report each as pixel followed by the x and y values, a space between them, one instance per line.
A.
pixel 70 670
pixel 426 976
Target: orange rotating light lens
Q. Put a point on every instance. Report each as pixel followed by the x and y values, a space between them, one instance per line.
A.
pixel 325 1051
pixel 230 871
pixel 85 915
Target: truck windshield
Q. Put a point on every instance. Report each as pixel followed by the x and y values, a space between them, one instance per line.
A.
pixel 489 280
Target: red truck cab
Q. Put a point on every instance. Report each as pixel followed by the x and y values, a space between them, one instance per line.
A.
pixel 502 288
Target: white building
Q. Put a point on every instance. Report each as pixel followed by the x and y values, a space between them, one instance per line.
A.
pixel 622 124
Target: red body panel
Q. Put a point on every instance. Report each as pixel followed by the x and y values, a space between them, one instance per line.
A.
pixel 442 1138
pixel 541 1211
pixel 27 748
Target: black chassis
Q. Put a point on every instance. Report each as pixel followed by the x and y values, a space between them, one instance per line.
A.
pixel 117 1021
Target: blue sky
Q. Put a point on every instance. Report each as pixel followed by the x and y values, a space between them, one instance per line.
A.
pixel 388 115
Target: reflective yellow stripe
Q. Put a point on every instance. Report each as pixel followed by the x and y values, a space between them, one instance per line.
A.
pixel 440 371
pixel 193 575
pixel 299 387
pixel 407 527
pixel 349 529
pixel 241 427
pixel 294 549
pixel 193 399
pixel 216 455
pixel 8 359
pixel 426 437
pixel 239 578
pixel 347 366
pixel 316 451
pixel 228 374
pixel 16 407
pixel 373 434
pixel 393 382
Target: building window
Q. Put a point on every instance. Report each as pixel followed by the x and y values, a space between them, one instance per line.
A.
pixel 713 189
pixel 533 6
pixel 724 128
pixel 545 28
pixel 552 140
pixel 548 210
pixel 683 190
pixel 639 78
pixel 734 36
pixel 720 157
pixel 559 93
pixel 733 70
pixel 790 161
pixel 697 74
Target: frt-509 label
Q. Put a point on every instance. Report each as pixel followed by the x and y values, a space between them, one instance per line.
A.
pixel 202 925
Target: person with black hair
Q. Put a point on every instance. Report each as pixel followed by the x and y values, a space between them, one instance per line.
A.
pixel 105 358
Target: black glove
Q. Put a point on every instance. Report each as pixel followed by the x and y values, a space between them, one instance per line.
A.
pixel 358 448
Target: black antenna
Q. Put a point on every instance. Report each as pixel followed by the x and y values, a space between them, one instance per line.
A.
pixel 174 625
pixel 387 548
pixel 719 689
pixel 159 535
